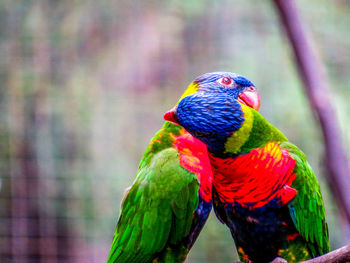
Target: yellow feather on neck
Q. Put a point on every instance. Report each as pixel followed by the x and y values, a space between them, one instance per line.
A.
pixel 192 88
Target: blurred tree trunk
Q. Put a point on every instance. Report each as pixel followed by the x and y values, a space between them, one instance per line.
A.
pixel 315 82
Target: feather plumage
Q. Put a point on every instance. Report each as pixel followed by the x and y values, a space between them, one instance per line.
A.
pixel 165 209
pixel 264 190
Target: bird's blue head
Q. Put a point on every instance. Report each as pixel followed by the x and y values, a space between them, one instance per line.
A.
pixel 212 112
pixel 233 84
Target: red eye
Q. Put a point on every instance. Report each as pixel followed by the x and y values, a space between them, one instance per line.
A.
pixel 226 81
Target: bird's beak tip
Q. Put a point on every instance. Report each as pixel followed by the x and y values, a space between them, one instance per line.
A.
pixel 171 116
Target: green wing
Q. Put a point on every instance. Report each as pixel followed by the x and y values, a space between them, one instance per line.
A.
pixel 307 209
pixel 157 212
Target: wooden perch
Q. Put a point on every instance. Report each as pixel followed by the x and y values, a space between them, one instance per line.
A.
pixel 340 255
pixel 315 82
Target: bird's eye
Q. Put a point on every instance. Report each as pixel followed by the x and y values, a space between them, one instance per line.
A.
pixel 226 81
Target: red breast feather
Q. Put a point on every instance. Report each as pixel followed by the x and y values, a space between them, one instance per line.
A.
pixel 254 179
pixel 194 157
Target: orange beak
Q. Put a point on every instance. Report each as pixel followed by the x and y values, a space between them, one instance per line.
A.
pixel 250 97
pixel 171 116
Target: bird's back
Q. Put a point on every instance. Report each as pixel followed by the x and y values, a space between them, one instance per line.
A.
pixel 164 210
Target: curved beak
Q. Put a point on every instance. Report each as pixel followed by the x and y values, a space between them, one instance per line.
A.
pixel 250 97
pixel 171 116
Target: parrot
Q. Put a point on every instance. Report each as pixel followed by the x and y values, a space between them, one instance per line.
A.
pixel 263 187
pixel 166 207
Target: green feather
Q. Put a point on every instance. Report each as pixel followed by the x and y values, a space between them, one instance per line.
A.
pixel 158 210
pixel 309 209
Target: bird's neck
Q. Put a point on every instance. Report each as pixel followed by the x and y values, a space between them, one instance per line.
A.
pixel 163 139
pixel 255 132
pixel 193 156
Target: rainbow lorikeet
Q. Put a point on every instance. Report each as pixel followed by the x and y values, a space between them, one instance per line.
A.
pixel 264 189
pixel 170 200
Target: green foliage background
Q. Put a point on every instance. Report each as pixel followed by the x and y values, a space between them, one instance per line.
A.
pixel 84 85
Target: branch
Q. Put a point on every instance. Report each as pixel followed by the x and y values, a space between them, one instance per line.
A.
pixel 315 83
pixel 340 255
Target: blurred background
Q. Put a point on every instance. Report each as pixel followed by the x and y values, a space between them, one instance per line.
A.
pixel 84 85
